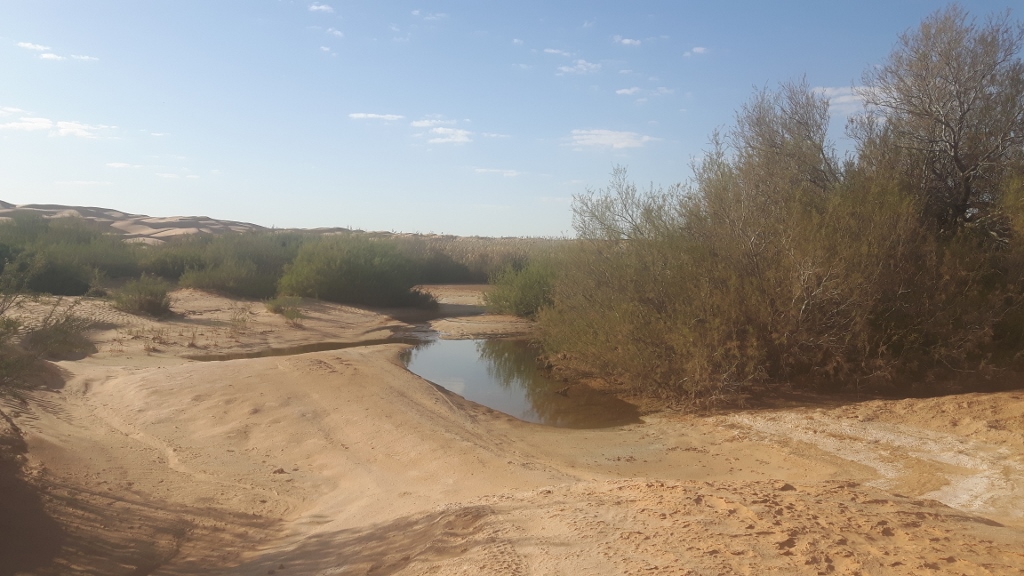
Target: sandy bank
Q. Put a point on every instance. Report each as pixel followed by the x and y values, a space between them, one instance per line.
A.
pixel 342 462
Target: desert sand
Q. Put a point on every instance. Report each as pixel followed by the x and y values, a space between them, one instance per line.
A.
pixel 137 460
pixel 133 227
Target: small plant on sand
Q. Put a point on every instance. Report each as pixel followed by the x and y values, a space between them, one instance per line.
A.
pixel 241 314
pixel 147 295
pixel 287 306
pixel 60 334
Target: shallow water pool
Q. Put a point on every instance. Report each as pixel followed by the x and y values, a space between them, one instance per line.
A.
pixel 504 375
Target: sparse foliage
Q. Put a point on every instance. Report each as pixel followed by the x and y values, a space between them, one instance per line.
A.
pixel 146 295
pixel 951 94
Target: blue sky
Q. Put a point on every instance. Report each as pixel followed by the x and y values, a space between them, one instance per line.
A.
pixel 462 117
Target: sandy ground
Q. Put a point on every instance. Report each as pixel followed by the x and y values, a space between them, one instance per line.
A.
pixel 141 461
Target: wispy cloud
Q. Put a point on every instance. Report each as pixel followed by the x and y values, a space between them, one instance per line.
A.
pixel 589 23
pixel 579 67
pixel 84 58
pixel 625 41
pixel 365 116
pixel 517 41
pixel 430 122
pixel 28 124
pixel 335 32
pixel 58 128
pixel 122 165
pixel 843 100
pixel 450 136
pixel 494 135
pixel 168 175
pixel 429 16
pixel 318 7
pixel 628 91
pixel 51 56
pixel 608 139
pixel 498 171
pixel 81 130
pixel 557 52
pixel 31 46
pixel 696 51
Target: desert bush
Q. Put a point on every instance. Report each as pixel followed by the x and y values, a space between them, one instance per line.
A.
pixel 287 306
pixel 523 291
pixel 247 265
pixel 174 258
pixel 147 295
pixel 68 252
pixel 780 264
pixel 60 334
pixel 353 270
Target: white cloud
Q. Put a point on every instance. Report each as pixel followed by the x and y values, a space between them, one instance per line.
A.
pixel 843 100
pixel 589 23
pixel 158 134
pixel 28 124
pixel 335 32
pixel 122 165
pixel 167 175
pixel 557 52
pixel 625 41
pixel 494 135
pixel 625 71
pixel 608 139
pixel 31 46
pixel 8 110
pixel 517 41
pixel 505 173
pixel 696 51
pixel 317 7
pixel 51 56
pixel 430 122
pixel 429 16
pixel 84 58
pixel 79 129
pixel 192 177
pixel 325 49
pixel 365 116
pixel 627 91
pixel 663 91
pixel 450 136
pixel 579 67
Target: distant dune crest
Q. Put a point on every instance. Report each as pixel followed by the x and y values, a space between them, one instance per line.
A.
pixel 135 227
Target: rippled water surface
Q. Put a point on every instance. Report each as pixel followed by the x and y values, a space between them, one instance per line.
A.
pixel 504 375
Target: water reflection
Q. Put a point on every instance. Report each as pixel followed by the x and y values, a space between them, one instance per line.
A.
pixel 504 375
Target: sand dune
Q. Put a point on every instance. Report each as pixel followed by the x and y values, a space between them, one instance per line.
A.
pixel 342 462
pixel 136 227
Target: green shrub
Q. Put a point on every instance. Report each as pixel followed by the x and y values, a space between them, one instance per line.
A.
pixel 246 265
pixel 353 270
pixel 147 295
pixel 61 334
pixel 287 306
pixel 522 292
pixel 780 264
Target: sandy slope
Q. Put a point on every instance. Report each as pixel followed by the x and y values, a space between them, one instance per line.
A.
pixel 342 462
pixel 137 227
